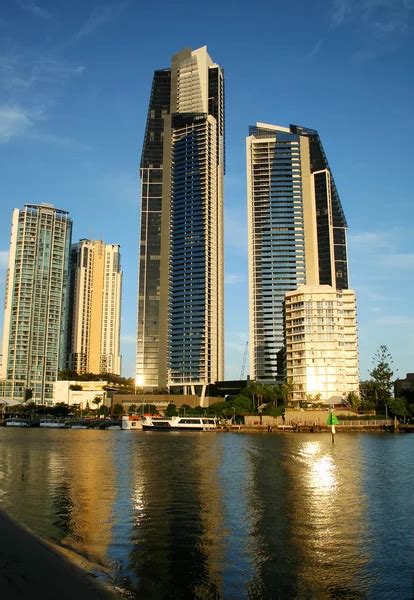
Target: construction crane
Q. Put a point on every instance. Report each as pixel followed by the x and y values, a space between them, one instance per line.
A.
pixel 243 368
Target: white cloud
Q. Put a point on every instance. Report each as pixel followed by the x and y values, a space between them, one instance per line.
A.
pixel 316 49
pixel 233 278
pixel 4 263
pixel 14 121
pixel 99 17
pixel 31 85
pixel 128 338
pixel 371 241
pixel 33 8
pixel 235 231
pixel 399 261
pixel 395 321
pixel 4 259
pixel 56 140
pixel 381 17
pixel 340 11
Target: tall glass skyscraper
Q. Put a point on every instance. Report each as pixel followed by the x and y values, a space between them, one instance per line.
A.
pixel 34 335
pixel 296 229
pixel 181 275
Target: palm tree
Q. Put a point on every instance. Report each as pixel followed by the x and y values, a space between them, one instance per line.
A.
pixel 97 401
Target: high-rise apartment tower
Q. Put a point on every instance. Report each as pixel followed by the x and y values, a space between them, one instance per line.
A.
pixel 321 343
pixel 34 334
pixel 296 229
pixel 180 298
pixel 95 308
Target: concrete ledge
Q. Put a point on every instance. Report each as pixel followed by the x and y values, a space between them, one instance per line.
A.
pixel 32 568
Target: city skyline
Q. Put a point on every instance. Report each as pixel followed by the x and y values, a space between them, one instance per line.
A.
pixel 72 113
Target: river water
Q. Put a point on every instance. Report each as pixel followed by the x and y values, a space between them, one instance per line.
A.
pixel 222 515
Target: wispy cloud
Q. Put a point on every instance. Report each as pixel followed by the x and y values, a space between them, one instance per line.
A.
pixel 372 241
pixel 316 48
pixel 235 227
pixel 233 278
pixel 43 137
pixel 4 262
pixel 395 321
pixel 34 9
pixel 4 259
pixel 99 17
pixel 29 87
pixel 128 338
pixel 382 17
pixel 14 121
pixel 399 261
pixel 340 11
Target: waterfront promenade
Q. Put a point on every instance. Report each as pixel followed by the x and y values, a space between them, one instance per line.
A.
pixel 32 568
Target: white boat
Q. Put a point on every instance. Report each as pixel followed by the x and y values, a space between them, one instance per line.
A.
pixel 131 422
pixel 17 423
pixel 179 424
pixel 52 423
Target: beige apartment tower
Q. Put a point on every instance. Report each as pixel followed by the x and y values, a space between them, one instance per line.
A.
pixel 180 338
pixel 321 343
pixel 95 308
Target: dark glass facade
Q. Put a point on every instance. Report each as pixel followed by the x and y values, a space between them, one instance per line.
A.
pixel 152 162
pixel 319 162
pixel 188 276
pixel 181 274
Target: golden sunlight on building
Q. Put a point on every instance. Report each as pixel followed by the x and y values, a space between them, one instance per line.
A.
pixel 321 343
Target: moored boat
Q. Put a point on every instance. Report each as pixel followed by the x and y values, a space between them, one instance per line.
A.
pixel 179 424
pixel 15 422
pixel 52 423
pixel 132 422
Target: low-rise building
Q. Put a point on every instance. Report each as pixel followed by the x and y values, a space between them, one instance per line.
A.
pixel 405 387
pixel 321 343
pixel 79 392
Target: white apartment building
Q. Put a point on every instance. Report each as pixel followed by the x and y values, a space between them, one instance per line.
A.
pixel 321 343
pixel 34 332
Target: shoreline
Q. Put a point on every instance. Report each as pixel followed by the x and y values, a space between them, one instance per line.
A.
pixel 31 566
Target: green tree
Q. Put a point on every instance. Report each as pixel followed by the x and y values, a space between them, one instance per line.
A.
pixel 354 401
pixel 97 401
pixel 103 410
pixel 118 410
pixel 381 376
pixel 398 407
pixel 171 410
pixel 132 409
pixel 367 391
pixel 287 391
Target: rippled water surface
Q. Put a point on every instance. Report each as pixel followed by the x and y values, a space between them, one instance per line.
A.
pixel 213 515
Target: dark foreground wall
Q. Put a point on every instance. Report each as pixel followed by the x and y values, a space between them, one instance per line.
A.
pixel 31 568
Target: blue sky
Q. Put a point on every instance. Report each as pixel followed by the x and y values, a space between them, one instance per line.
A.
pixel 75 79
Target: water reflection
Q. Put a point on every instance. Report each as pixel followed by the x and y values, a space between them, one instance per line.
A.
pixel 174 536
pixel 221 515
